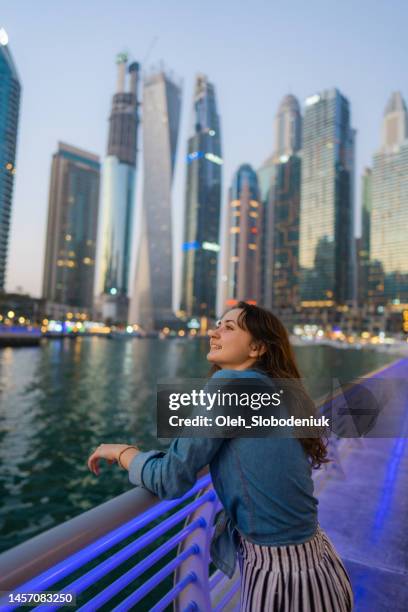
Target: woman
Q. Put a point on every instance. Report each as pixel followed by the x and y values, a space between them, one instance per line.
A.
pixel 265 484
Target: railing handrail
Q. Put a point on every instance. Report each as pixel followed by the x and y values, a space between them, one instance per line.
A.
pixel 31 558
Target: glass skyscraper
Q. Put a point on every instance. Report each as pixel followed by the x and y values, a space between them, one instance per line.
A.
pixel 279 180
pixel 266 181
pixel 69 263
pixel 288 127
pixel 243 239
pixel 364 242
pixel 152 295
pixel 201 244
pixel 285 257
pixel 326 241
pixel 10 90
pixel 118 195
pixel 389 215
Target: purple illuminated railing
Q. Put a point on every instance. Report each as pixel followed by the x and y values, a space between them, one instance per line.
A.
pixel 192 586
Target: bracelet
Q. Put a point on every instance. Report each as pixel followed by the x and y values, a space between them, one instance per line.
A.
pixel 123 451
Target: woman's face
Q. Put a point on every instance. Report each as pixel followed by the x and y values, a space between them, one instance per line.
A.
pixel 231 347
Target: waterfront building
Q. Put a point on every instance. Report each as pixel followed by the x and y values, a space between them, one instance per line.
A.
pixel 69 263
pixel 285 241
pixel 288 127
pixel 152 292
pixel 118 195
pixel 243 239
pixel 21 308
pixel 326 241
pixel 266 182
pixel 279 180
pixel 363 242
pixel 201 243
pixel 389 214
pixel 10 91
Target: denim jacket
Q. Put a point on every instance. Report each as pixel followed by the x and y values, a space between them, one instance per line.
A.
pixel 264 484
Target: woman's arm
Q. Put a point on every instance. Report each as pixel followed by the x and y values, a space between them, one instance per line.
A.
pixel 169 474
pixel 113 453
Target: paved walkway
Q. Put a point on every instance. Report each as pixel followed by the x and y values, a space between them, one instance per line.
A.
pixel 364 509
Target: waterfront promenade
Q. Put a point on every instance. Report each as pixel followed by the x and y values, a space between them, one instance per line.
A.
pixel 364 509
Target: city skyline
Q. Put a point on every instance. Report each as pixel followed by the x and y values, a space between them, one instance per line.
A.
pixel 81 122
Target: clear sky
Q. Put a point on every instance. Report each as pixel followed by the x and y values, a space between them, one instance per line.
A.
pixel 254 52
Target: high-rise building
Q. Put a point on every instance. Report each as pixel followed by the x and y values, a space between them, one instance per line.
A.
pixel 326 242
pixel 266 181
pixel 69 263
pixel 395 124
pixel 285 242
pixel 288 127
pixel 243 240
pixel 152 295
pixel 201 244
pixel 10 90
pixel 118 195
pixel 279 180
pixel 389 215
pixel 363 253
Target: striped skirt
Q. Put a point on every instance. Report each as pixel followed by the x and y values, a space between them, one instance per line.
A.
pixel 307 577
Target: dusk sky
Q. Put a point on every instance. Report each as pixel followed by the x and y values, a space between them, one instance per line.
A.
pixel 254 52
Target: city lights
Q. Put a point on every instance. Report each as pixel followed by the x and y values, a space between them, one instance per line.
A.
pixel 214 158
pixel 211 246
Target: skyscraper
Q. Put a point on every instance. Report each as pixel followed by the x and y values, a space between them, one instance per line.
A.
pixel 279 179
pixel 395 123
pixel 364 240
pixel 288 127
pixel 69 264
pixel 266 181
pixel 10 90
pixel 327 246
pixel 285 243
pixel 118 194
pixel 151 302
pixel 389 216
pixel 244 223
pixel 203 205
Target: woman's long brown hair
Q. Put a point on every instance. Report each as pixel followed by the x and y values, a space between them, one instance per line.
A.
pixel 278 361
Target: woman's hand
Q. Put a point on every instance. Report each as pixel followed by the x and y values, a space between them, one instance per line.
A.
pixel 111 453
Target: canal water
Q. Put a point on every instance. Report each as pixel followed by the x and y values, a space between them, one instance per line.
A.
pixel 62 399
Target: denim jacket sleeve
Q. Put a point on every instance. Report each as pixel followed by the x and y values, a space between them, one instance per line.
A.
pixel 169 474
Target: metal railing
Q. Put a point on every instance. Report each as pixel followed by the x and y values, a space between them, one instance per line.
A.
pixel 19 567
